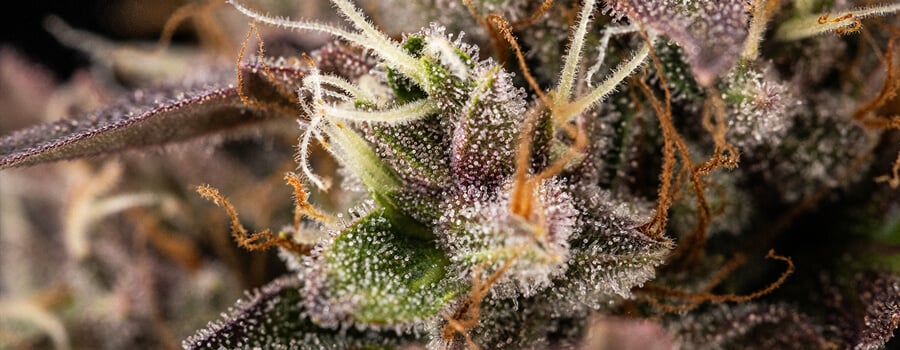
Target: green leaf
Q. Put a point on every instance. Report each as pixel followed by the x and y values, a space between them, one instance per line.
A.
pixel 372 275
pixel 381 180
pixel 416 150
pixel 274 317
pixel 405 90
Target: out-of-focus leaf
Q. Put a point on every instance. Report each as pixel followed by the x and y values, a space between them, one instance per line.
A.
pixel 25 89
pixel 157 116
pixel 711 33
pixel 747 326
pixel 620 333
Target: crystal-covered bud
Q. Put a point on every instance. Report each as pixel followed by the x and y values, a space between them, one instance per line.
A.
pixel 480 230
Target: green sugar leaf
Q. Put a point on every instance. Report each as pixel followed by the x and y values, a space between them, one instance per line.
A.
pixel 371 275
pixel 274 317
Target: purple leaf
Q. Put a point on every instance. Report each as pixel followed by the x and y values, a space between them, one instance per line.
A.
pixel 157 116
pixel 712 33
pixel 867 311
pixel 747 326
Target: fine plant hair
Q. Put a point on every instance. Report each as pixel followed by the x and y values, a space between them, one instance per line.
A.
pixel 503 174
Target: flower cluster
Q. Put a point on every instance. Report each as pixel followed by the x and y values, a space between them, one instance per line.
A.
pixel 500 187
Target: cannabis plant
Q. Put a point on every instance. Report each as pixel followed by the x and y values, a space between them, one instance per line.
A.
pixel 515 174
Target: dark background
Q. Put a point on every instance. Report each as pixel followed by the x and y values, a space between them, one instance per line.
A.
pixel 21 27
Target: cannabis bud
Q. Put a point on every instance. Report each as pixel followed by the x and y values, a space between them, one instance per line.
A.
pixel 485 190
